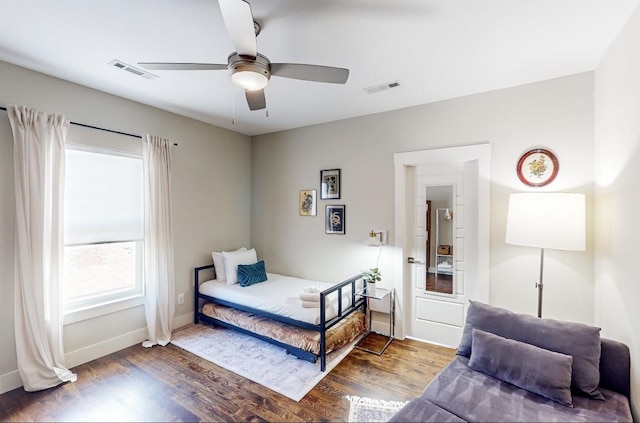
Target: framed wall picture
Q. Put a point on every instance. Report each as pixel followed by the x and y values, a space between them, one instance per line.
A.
pixel 307 202
pixel 335 220
pixel 537 167
pixel 330 184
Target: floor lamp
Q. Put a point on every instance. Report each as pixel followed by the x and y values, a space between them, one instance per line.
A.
pixel 546 220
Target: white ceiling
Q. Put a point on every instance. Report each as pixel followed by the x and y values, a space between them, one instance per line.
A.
pixel 435 49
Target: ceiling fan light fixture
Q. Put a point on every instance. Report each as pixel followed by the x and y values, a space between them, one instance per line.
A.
pixel 249 80
pixel 248 72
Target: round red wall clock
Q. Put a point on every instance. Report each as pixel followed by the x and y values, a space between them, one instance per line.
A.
pixel 538 167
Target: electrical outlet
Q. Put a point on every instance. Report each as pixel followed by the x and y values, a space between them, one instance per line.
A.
pixel 180 298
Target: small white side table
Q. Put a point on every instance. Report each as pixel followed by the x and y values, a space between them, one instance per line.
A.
pixel 378 294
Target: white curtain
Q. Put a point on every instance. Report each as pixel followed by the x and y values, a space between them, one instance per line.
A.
pixel 38 159
pixel 158 240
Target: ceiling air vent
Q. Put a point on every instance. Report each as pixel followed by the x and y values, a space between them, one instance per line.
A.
pixel 381 87
pixel 136 71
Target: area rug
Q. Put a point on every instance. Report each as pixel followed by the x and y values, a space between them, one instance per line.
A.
pixel 372 410
pixel 257 360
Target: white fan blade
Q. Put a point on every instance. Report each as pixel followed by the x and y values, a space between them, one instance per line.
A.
pixel 239 22
pixel 181 66
pixel 256 99
pixel 315 73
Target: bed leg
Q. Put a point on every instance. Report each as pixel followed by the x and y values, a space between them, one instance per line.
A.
pixel 196 295
pixel 323 351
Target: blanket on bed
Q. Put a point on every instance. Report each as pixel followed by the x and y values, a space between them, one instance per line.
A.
pixel 280 295
pixel 338 336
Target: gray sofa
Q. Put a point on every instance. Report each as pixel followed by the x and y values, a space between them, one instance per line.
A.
pixel 515 367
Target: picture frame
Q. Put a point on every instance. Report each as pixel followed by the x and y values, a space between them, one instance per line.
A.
pixel 335 219
pixel 307 202
pixel 537 167
pixel 330 183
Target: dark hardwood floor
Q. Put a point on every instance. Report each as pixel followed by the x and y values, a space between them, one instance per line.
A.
pixel 170 384
pixel 440 283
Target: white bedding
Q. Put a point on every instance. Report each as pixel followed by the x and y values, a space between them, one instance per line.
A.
pixel 278 295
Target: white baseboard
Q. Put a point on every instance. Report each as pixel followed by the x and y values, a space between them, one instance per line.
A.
pixel 91 352
pixel 10 381
pixel 86 354
pixel 184 320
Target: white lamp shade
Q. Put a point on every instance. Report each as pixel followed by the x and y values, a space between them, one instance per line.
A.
pixel 373 240
pixel 547 220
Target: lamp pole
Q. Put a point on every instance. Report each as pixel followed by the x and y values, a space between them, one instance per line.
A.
pixel 539 284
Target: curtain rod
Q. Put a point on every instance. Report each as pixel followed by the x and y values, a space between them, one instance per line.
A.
pixel 100 129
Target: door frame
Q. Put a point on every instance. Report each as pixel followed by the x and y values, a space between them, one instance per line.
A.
pixel 427 226
pixel 404 164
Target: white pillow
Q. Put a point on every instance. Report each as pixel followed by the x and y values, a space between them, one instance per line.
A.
pixel 218 264
pixel 233 259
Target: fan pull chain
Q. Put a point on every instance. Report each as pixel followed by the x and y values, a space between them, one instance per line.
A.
pixel 233 107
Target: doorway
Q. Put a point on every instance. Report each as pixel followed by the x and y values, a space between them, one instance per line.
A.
pixel 424 314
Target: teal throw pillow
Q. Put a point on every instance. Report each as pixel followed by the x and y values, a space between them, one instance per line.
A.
pixel 249 274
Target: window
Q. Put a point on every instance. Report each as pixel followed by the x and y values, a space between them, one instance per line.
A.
pixel 103 228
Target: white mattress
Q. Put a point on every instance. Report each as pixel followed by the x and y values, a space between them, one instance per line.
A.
pixel 279 294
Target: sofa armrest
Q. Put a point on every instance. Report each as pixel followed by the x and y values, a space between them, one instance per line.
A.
pixel 615 367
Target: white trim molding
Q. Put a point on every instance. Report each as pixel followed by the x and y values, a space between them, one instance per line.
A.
pixel 10 381
pixel 404 163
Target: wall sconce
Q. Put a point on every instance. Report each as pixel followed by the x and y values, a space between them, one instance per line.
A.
pixel 376 238
pixel 373 240
pixel 448 214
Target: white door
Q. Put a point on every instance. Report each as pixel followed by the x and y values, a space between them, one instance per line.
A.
pixel 438 294
pixel 427 315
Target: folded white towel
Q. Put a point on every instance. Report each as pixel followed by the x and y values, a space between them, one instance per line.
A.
pixel 312 289
pixel 311 297
pixel 329 309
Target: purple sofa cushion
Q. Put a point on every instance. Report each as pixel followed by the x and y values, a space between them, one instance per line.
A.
pixel 580 341
pixel 537 370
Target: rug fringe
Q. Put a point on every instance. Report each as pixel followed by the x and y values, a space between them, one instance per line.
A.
pixel 374 402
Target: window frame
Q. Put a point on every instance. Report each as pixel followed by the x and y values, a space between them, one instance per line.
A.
pixel 95 306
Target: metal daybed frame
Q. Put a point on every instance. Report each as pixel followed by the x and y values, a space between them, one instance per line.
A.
pixel 357 302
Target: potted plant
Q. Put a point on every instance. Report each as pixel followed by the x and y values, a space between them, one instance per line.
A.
pixel 371 276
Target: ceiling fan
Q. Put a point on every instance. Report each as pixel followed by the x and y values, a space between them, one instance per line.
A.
pixel 249 69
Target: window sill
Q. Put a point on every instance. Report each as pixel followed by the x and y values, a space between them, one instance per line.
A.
pixel 78 315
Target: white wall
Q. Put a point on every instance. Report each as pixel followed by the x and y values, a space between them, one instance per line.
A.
pixel 617 195
pixel 557 114
pixel 211 194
